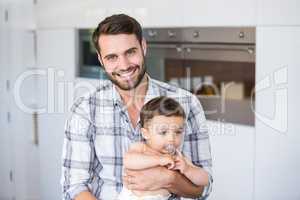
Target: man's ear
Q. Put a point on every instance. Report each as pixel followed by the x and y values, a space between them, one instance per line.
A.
pixel 145 133
pixel 144 46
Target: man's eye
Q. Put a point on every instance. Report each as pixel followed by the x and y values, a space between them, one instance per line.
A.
pixel 131 52
pixel 111 58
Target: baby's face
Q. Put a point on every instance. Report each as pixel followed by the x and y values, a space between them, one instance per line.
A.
pixel 162 131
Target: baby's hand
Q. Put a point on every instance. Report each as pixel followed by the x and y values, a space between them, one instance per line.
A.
pixel 180 163
pixel 167 160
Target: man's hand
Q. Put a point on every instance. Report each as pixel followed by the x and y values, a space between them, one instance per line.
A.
pixel 161 178
pixel 148 179
pixel 86 195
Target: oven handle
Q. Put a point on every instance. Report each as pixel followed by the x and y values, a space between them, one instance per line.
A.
pixel 205 47
pixel 248 49
pixel 178 48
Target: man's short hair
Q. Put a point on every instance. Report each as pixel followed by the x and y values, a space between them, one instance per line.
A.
pixel 162 105
pixel 117 24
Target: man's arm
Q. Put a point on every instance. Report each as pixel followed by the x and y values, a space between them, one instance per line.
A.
pixel 196 145
pixel 160 177
pixel 195 174
pixel 79 165
pixel 136 158
pixel 183 187
pixel 85 196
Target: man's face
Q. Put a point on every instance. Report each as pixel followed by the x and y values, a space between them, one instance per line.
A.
pixel 123 59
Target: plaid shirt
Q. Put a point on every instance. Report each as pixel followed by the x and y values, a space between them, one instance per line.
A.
pixel 99 132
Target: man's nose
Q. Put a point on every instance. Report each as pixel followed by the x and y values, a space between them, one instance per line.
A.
pixel 123 62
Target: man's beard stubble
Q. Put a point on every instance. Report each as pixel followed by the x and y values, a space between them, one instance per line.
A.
pixel 127 87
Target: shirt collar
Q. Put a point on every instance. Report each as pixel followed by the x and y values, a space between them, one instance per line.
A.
pixel 152 92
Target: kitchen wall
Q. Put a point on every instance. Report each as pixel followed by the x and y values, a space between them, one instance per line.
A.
pixel 249 163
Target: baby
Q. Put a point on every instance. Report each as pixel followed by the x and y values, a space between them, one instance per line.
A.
pixel 162 121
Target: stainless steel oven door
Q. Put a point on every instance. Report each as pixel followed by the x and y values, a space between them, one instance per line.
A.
pixel 218 52
pixel 157 55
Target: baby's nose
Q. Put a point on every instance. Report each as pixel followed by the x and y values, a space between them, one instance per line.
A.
pixel 171 138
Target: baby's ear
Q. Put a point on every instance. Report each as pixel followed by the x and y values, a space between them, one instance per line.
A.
pixel 145 133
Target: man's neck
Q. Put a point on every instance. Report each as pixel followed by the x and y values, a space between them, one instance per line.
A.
pixel 136 96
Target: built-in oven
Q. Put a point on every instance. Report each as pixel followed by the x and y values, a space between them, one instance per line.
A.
pixel 215 63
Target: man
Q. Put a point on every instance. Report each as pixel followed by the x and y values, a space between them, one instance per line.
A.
pixel 104 124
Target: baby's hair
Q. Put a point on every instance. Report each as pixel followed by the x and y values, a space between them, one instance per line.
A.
pixel 162 105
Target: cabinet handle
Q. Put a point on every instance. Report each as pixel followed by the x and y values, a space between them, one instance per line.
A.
pixel 35 128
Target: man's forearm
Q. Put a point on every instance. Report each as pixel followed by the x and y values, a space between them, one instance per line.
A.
pixel 86 195
pixel 144 161
pixel 181 186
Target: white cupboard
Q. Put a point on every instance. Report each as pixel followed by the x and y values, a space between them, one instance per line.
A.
pixel 277 155
pixel 56 58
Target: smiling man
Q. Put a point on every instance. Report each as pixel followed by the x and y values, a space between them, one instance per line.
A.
pixel 105 123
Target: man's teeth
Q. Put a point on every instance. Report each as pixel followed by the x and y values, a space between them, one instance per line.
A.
pixel 126 74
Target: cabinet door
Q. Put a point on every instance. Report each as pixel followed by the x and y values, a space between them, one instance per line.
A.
pixel 56 59
pixel 90 13
pixel 277 12
pixel 25 151
pixel 277 162
pixel 232 149
pixel 219 13
pixel 20 168
pixel 6 148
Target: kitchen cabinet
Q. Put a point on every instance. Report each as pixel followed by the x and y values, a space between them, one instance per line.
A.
pixel 277 113
pixel 219 13
pixel 6 152
pixel 25 151
pixel 278 12
pixel 56 58
pixel 87 14
pixel 232 148
pixel 19 159
pixel 160 13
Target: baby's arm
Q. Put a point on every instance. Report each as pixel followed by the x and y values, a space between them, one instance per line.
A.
pixel 136 158
pixel 194 173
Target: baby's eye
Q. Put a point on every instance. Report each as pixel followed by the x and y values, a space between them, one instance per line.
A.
pixel 178 132
pixel 162 132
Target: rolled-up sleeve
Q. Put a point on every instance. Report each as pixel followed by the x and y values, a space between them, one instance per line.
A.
pixel 78 158
pixel 197 144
